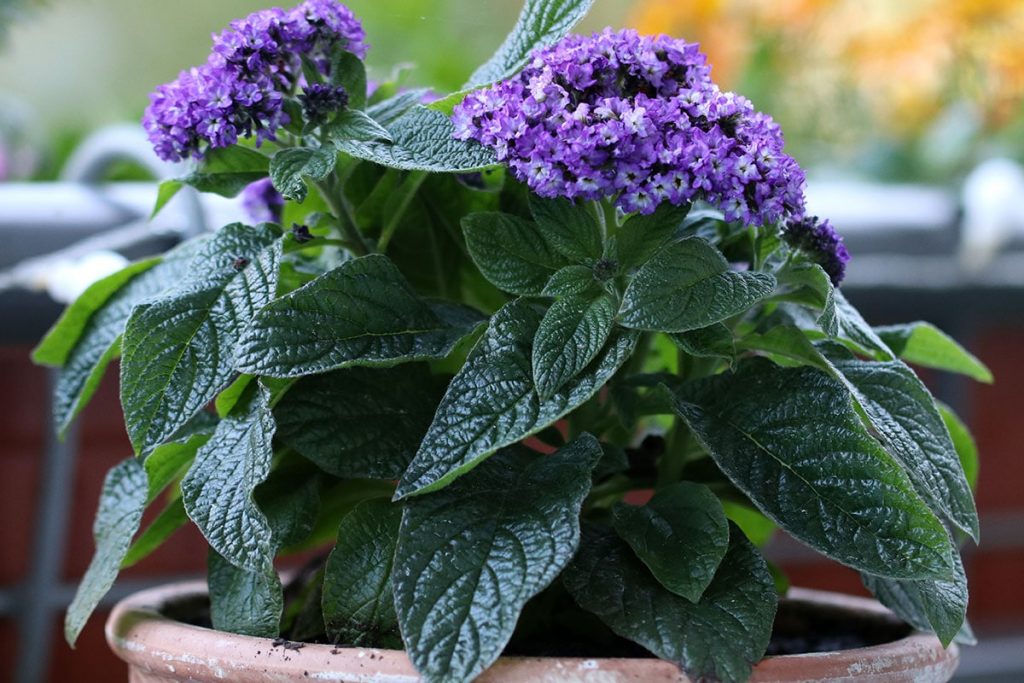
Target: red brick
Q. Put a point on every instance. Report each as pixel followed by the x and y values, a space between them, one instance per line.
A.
pixel 90 662
pixel 17 507
pixel 8 649
pixel 24 401
pixel 996 588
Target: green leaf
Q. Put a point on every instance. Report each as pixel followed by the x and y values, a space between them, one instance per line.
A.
pixel 513 254
pixel 541 23
pixel 179 349
pixel 469 557
pixel 358 600
pixel 244 601
pixel 390 110
pixel 688 285
pixel 718 638
pixel 571 280
pixel 570 228
pixel 218 488
pixel 786 345
pixel 570 335
pixel 364 312
pixel 422 140
pixel 924 344
pixel 291 166
pixel 170 519
pixel 359 422
pixel 681 534
pixel 353 124
pixel 713 341
pixel 223 170
pixel 939 606
pixel 853 328
pixel 813 279
pixel 641 236
pixel 290 500
pixel 755 526
pixel 60 341
pixel 966 449
pixel 85 353
pixel 348 71
pixel 790 439
pixel 122 502
pixel 168 461
pixel 904 415
pixel 492 402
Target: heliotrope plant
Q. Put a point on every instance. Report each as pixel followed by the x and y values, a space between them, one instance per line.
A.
pixel 465 333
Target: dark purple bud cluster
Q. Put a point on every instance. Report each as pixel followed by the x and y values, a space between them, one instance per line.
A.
pixel 254 64
pixel 320 100
pixel 820 242
pixel 636 118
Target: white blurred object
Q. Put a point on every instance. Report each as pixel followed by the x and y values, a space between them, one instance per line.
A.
pixel 69 278
pixel 993 203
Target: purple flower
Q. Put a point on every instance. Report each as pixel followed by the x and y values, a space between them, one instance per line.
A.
pixel 239 92
pixel 820 242
pixel 636 118
pixel 262 203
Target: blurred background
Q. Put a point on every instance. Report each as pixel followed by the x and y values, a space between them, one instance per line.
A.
pixel 909 117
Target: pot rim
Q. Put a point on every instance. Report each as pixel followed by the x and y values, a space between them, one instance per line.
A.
pixel 142 636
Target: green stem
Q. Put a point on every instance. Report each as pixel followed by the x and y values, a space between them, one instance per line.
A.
pixel 403 196
pixel 342 210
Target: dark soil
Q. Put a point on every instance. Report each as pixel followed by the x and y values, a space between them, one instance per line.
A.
pixel 800 627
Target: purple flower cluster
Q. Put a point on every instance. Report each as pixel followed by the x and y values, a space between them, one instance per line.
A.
pixel 820 242
pixel 240 89
pixel 637 118
pixel 262 203
pixel 319 100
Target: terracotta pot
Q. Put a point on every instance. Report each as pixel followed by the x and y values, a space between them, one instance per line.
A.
pixel 158 650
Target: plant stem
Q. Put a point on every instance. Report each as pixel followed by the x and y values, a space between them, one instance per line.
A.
pixel 404 195
pixel 342 210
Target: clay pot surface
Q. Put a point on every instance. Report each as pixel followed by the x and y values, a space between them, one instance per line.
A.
pixel 160 650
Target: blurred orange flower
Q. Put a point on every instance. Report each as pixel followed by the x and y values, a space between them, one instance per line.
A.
pixel 906 61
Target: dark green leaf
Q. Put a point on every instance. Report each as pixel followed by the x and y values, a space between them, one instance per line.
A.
pixel 244 601
pixel 570 228
pixel 714 341
pixel 168 461
pixel 363 312
pixel 924 344
pixel 223 170
pixel 681 534
pixel 786 345
pixel 390 110
pixel 218 489
pixel 853 328
pixel 570 335
pixel 939 606
pixel 718 638
pixel 122 502
pixel 353 124
pixel 290 500
pixel 641 236
pixel 815 281
pixel 423 140
pixel 541 23
pixel 179 349
pixel 359 422
pixel 688 285
pixel 63 337
pixel 513 254
pixel 291 166
pixel 492 402
pixel 348 71
pixel 358 600
pixel 791 440
pixel 469 557
pixel 91 348
pixel 571 280
pixel 170 519
pixel 904 415
pixel 966 449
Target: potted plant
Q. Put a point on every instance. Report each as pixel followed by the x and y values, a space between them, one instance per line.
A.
pixel 544 360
